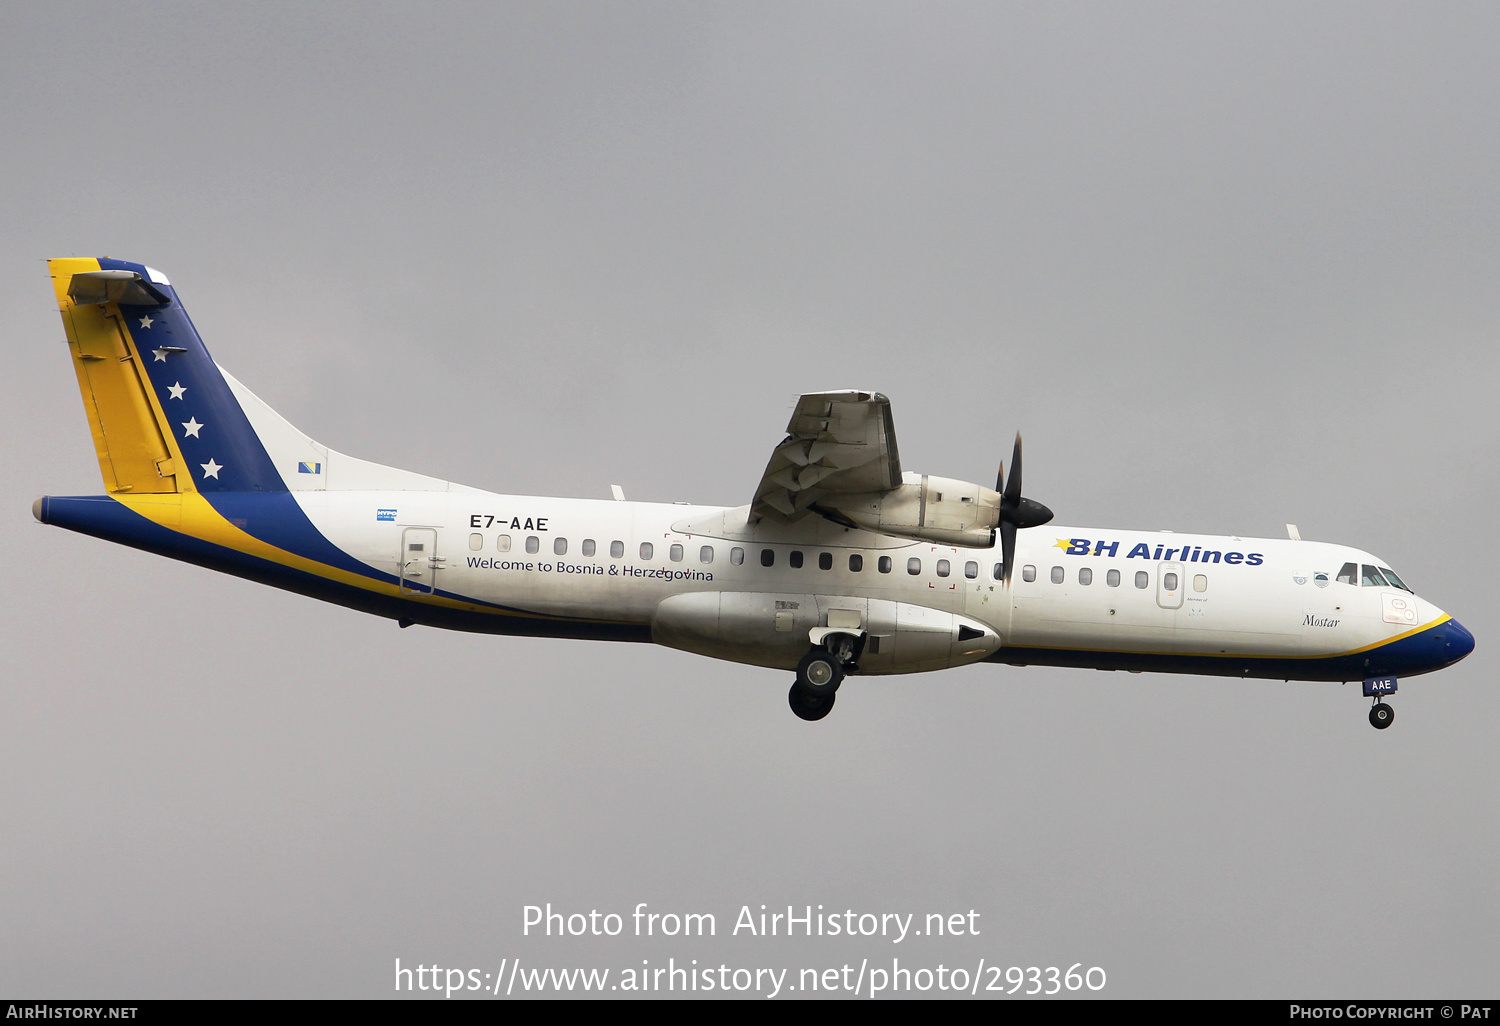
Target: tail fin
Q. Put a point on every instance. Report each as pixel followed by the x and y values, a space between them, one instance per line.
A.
pixel 164 418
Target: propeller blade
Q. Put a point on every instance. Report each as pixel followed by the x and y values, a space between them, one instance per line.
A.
pixel 1000 478
pixel 1016 512
pixel 1013 486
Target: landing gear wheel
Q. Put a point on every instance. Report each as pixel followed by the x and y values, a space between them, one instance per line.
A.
pixel 1381 716
pixel 809 707
pixel 820 672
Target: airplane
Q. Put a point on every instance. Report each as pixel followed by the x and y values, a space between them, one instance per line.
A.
pixel 843 564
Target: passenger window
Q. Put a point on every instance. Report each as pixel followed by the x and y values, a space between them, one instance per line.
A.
pixel 1369 577
pixel 856 562
pixel 559 546
pixel 1200 583
pixel 476 542
pixel 884 564
pixel 706 554
pixel 502 543
pixel 1142 579
pixel 737 555
pixel 1085 575
pixel 914 566
pixel 588 546
pixel 1390 575
pixel 795 559
pixel 1057 575
pixel 1169 582
pixel 1028 574
pixel 617 550
pixel 1112 578
pixel 825 561
pixel 533 543
pixel 942 568
pixel 767 557
pixel 971 570
pixel 647 549
pixel 1349 574
pixel 999 570
pixel 675 553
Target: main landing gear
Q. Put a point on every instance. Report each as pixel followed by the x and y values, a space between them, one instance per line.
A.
pixel 819 675
pixel 1381 715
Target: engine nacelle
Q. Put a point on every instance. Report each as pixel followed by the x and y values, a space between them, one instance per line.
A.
pixel 938 509
pixel 771 629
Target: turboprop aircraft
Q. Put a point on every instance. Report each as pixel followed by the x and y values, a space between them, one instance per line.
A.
pixel 843 564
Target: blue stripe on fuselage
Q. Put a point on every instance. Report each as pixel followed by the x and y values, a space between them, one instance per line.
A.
pixel 103 517
pixel 1440 645
pixel 278 519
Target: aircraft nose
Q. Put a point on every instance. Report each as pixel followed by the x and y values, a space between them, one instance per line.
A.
pixel 1459 642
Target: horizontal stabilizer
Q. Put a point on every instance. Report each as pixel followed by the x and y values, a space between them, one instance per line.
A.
pixel 126 287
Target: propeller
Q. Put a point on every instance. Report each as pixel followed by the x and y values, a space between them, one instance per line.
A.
pixel 1015 512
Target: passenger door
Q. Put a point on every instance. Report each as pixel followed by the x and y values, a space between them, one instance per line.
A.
pixel 419 561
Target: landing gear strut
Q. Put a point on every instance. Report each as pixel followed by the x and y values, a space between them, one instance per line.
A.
pixel 1381 715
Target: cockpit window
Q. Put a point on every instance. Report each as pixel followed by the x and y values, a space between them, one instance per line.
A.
pixel 1349 574
pixel 1390 575
pixel 1369 577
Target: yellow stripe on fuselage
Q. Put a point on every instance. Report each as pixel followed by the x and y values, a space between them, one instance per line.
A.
pixel 1381 644
pixel 193 515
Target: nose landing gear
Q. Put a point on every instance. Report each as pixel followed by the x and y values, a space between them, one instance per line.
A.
pixel 1381 715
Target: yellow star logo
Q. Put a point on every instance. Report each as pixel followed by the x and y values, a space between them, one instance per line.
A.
pixel 1064 543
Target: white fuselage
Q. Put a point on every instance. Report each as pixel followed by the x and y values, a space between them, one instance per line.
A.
pixel 1074 589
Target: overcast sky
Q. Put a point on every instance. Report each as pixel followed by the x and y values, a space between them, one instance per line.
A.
pixel 1228 266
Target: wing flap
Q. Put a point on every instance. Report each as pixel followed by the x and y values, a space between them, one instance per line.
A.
pixel 837 443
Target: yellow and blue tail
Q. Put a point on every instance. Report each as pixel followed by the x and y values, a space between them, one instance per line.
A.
pixel 164 418
pixel 186 473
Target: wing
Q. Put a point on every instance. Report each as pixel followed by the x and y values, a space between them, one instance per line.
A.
pixel 837 443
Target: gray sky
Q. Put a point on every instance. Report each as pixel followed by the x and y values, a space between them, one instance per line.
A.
pixel 1227 266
